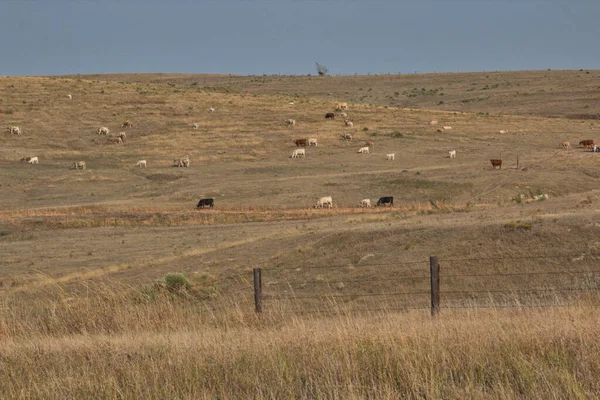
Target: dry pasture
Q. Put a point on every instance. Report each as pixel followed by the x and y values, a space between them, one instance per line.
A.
pixel 84 252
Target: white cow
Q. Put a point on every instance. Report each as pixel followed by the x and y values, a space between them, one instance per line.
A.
pixel 14 130
pixel 348 123
pixel 290 122
pixel 324 200
pixel 141 163
pixel 364 150
pixel 33 160
pixel 365 203
pixel 103 131
pixel 69 97
pixel 502 131
pixel 78 164
pixel 312 142
pixel 433 122
pixel 447 128
pixel 452 153
pixel 211 110
pixel 390 157
pixel 195 125
pixel 347 136
pixel 299 153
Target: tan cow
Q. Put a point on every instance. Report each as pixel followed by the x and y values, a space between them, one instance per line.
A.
pixel 565 145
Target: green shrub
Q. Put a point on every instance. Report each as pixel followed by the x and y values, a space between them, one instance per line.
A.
pixel 176 281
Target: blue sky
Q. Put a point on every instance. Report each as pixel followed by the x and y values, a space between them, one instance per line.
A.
pixel 286 37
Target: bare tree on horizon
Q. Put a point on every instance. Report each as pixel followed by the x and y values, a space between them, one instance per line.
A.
pixel 321 69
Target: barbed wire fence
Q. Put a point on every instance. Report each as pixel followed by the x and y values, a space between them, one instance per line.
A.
pixel 448 283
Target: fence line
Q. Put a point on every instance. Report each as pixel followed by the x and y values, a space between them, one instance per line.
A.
pixel 552 294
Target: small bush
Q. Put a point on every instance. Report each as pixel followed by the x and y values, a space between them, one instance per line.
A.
pixel 176 281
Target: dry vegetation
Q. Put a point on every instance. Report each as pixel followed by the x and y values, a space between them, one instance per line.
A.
pixel 86 311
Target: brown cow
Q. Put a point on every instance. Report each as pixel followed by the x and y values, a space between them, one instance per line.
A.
pixel 586 142
pixel 300 142
pixel 496 163
pixel 127 124
pixel 330 116
pixel 369 144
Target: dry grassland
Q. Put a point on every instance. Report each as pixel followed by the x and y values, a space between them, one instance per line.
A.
pixel 84 309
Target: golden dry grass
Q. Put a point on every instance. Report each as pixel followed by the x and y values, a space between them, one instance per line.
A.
pixel 84 311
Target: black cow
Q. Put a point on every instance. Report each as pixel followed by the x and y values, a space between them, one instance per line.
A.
pixel 329 116
pixel 386 200
pixel 206 202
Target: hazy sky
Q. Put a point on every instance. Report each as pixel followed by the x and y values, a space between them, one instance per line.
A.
pixel 47 37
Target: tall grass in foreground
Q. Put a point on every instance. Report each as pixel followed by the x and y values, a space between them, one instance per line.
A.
pixel 162 345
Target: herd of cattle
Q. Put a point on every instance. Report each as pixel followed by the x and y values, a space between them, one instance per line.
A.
pixel 340 110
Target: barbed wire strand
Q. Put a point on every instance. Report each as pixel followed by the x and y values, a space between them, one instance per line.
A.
pixel 349 265
pixel 521 273
pixel 440 260
pixel 399 278
pixel 325 296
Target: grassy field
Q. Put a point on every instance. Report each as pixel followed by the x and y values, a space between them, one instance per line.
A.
pixel 85 310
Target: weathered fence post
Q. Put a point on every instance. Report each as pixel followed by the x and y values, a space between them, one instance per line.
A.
pixel 257 291
pixel 434 269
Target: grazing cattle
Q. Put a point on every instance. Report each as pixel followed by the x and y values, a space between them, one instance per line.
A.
pixel 103 131
pixel 502 131
pixel 342 114
pixel 452 153
pixel 123 135
pixel 206 203
pixel 565 145
pixel 300 142
pixel 290 122
pixel 496 163
pixel 211 110
pixel 390 157
pixel 369 144
pixel 127 124
pixel 385 200
pixel 69 97
pixel 182 162
pixel 433 122
pixel 25 159
pixel 341 106
pixel 323 201
pixel 312 142
pixel 299 153
pixel 586 142
pixel 195 125
pixel 330 116
pixel 33 160
pixel 364 150
pixel 439 130
pixel 365 203
pixel 347 136
pixel 447 128
pixel 78 165
pixel 14 130
pixel 115 140
pixel 349 123
pixel 141 163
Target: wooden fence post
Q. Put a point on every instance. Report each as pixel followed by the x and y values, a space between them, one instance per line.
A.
pixel 257 290
pixel 434 269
